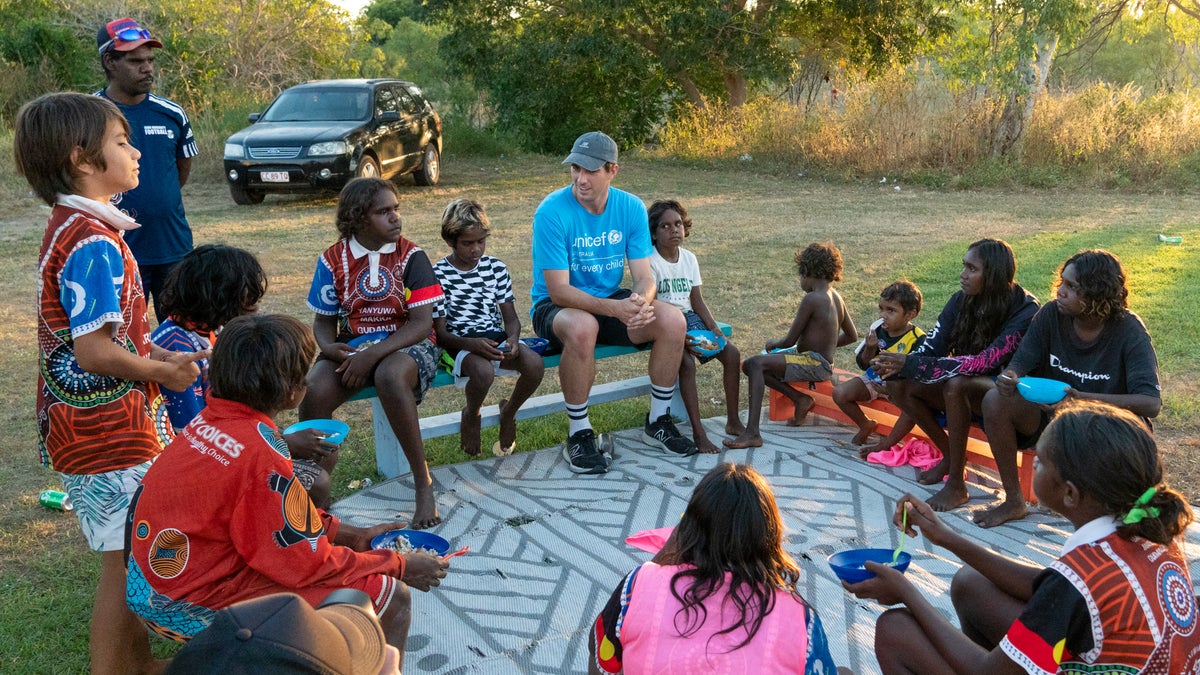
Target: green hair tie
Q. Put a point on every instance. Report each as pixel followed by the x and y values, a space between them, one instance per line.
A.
pixel 1140 511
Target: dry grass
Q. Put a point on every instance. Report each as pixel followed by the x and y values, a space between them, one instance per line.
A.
pixel 746 228
pixel 911 122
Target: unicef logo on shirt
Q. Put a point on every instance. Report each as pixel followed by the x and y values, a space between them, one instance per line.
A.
pixel 614 236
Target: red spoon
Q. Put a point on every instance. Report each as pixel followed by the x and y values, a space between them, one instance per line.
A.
pixel 458 552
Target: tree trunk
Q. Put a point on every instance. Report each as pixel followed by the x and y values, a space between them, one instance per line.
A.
pixel 690 88
pixel 1018 109
pixel 735 86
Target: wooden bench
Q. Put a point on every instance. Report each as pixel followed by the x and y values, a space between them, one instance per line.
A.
pixel 389 454
pixel 978 451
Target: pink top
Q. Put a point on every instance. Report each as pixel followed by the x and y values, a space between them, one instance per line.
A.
pixel 652 643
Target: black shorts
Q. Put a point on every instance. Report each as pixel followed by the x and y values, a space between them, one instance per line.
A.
pixel 612 331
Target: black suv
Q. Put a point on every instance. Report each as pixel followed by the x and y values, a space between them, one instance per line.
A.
pixel 318 135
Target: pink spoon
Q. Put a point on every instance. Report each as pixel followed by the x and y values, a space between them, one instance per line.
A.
pixel 458 552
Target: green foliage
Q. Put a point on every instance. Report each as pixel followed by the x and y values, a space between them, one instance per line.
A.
pixel 552 71
pixel 39 53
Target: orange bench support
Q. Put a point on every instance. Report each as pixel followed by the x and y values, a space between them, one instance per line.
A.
pixel 780 408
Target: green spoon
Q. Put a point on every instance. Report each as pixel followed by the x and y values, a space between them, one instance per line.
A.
pixel 903 532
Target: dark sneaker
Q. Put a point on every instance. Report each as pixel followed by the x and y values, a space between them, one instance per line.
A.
pixel 581 453
pixel 664 434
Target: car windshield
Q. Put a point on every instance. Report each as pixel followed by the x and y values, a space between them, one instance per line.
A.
pixel 319 105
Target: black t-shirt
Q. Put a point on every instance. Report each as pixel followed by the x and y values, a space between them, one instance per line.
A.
pixel 1120 360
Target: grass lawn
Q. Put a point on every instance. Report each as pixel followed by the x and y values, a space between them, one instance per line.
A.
pixel 747 227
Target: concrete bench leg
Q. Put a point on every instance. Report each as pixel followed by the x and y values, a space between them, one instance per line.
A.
pixel 389 454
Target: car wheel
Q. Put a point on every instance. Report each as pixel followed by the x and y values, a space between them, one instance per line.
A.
pixel 368 167
pixel 244 196
pixel 431 167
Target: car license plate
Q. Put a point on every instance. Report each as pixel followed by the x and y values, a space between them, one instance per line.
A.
pixel 274 176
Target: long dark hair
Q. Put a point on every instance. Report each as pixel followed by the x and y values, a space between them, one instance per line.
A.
pixel 1109 454
pixel 981 317
pixel 731 525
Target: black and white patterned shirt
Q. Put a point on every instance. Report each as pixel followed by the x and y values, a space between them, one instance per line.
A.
pixel 471 299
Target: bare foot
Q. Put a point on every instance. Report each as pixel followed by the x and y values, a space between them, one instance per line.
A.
pixel 705 446
pixel 868 449
pixel 801 412
pixel 864 432
pixel 426 514
pixel 744 440
pixel 508 426
pixel 1002 513
pixel 951 496
pixel 934 474
pixel 734 428
pixel 468 433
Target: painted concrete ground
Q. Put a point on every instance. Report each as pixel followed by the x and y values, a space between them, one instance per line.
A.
pixel 547 546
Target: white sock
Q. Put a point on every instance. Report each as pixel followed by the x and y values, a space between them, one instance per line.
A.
pixel 578 416
pixel 660 401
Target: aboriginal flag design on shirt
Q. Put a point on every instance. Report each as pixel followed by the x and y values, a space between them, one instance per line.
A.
pixel 372 291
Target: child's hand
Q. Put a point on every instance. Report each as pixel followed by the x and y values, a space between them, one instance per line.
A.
pixel 871 343
pixel 182 370
pixel 309 444
pixel 921 516
pixel 423 571
pixel 887 587
pixel 338 352
pixel 772 345
pixel 488 349
pixel 359 538
pixel 356 370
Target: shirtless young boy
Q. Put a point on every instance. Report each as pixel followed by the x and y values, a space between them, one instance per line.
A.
pixel 820 327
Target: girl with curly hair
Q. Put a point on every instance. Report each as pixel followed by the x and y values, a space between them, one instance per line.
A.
pixel 976 335
pixel 1085 337
pixel 719 597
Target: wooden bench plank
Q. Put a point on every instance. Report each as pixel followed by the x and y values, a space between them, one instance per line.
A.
pixel 978 451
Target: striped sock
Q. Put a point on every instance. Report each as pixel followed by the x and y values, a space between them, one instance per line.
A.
pixel 578 416
pixel 660 401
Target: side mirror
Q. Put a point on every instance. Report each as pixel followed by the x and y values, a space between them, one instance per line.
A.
pixel 389 116
pixel 253 117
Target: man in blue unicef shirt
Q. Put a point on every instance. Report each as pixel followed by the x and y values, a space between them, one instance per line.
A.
pixel 583 237
pixel 160 130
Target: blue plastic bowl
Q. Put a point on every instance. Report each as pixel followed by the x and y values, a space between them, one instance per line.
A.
pixel 707 335
pixel 1042 390
pixel 418 538
pixel 848 565
pixel 369 339
pixel 335 430
pixel 537 344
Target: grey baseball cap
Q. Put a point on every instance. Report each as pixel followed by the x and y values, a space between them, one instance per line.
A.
pixel 592 150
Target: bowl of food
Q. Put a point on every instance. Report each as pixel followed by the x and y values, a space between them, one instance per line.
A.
pixel 408 541
pixel 335 430
pixel 706 342
pixel 1042 390
pixel 850 566
pixel 537 344
pixel 363 341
